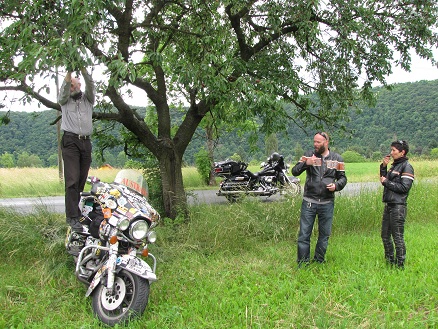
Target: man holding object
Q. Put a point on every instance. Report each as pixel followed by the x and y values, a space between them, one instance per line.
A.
pixel 325 174
pixel 77 111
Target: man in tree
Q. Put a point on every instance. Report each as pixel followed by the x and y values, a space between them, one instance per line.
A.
pixel 261 64
pixel 77 111
pixel 325 174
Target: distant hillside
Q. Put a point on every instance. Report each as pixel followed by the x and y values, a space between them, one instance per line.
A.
pixel 31 133
pixel 409 111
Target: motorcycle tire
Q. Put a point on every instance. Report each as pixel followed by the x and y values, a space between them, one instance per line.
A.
pixel 131 294
pixel 291 189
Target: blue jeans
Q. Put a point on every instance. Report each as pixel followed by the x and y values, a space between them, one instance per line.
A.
pixel 309 211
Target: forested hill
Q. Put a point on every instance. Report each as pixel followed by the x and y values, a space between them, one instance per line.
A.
pixel 31 133
pixel 409 111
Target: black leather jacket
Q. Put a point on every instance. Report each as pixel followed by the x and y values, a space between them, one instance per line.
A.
pixel 332 170
pixel 398 182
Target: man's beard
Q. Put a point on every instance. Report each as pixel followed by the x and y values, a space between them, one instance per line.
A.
pixel 76 94
pixel 320 150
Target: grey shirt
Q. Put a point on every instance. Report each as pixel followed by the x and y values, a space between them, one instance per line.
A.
pixel 77 114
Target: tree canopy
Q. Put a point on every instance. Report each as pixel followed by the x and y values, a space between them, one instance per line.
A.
pixel 235 60
pixel 411 106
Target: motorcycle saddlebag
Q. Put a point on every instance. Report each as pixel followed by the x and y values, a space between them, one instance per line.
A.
pixel 227 167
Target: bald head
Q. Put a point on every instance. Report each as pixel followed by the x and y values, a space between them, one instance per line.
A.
pixel 75 87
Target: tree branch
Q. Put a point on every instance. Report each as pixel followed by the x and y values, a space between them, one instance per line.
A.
pixel 23 87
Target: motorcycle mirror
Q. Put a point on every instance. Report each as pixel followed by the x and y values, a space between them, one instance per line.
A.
pixel 93 179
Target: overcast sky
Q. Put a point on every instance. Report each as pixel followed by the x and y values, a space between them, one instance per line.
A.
pixel 420 70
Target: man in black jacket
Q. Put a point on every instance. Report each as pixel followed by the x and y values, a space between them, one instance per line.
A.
pixel 325 174
pixel 397 182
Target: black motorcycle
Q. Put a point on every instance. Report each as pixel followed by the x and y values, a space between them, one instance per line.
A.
pixel 271 179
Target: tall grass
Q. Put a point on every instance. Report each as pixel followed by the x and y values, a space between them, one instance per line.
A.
pixel 36 182
pixel 192 179
pixel 233 266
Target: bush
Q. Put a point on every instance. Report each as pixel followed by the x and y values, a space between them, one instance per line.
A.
pixel 25 159
pixel 151 172
pixel 376 156
pixel 7 160
pixel 352 157
pixel 203 165
pixel 434 153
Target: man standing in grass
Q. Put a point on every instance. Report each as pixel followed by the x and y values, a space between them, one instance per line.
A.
pixel 325 174
pixel 397 182
pixel 77 112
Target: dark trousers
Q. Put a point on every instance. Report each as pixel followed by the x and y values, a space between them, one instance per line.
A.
pixel 76 154
pixel 393 227
pixel 309 211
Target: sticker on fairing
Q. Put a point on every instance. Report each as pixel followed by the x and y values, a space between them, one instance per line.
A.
pixel 121 201
pixel 137 266
pixel 86 210
pixel 113 220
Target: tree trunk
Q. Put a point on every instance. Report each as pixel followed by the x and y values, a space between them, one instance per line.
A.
pixel 58 134
pixel 174 196
pixel 210 149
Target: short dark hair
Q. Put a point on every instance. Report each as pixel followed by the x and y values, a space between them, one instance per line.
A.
pixel 401 145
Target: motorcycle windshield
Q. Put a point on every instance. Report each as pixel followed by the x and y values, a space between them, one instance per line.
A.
pixel 134 180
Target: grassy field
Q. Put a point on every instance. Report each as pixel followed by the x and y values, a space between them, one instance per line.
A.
pixel 35 182
pixel 233 266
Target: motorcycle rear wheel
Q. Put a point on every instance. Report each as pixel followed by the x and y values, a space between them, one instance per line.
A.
pixel 131 294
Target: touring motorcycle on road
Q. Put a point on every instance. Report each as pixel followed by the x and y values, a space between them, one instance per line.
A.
pixel 118 225
pixel 271 179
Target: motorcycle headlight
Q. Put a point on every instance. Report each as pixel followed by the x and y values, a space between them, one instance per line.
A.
pixel 123 224
pixel 152 236
pixel 138 229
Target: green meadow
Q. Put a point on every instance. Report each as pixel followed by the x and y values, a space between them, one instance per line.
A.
pixel 233 266
pixel 36 182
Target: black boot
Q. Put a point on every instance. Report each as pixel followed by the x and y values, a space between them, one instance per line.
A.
pixel 74 224
pixel 400 265
pixel 390 260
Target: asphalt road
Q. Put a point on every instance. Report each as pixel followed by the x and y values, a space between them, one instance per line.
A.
pixel 56 204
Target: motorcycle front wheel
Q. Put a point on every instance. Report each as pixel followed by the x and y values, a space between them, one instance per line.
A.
pixel 131 294
pixel 291 189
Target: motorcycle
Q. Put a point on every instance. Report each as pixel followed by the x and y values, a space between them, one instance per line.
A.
pixel 272 179
pixel 118 224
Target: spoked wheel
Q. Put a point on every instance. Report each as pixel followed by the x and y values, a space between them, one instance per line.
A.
pixel 129 300
pixel 291 189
